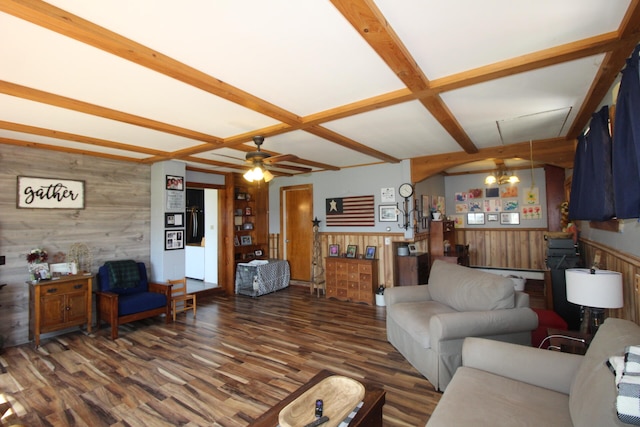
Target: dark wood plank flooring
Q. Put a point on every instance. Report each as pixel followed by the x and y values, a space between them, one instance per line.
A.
pixel 225 368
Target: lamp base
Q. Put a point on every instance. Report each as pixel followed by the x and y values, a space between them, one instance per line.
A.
pixel 596 317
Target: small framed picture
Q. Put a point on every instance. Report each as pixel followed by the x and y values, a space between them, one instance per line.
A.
pixel 173 219
pixel 258 252
pixel 245 240
pixel 510 218
pixel 352 251
pixel 247 226
pixel 334 250
pixel 492 217
pixel 173 239
pixel 388 213
pixel 241 196
pixel 475 218
pixel 412 248
pixel 370 253
pixel 175 182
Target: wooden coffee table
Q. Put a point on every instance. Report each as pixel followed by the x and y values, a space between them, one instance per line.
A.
pixel 370 415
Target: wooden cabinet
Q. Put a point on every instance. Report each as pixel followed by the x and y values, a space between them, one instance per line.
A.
pixel 439 232
pixel 412 269
pixel 59 304
pixel 351 279
pixel 250 220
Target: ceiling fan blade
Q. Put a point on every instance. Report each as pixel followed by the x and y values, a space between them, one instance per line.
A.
pixel 282 158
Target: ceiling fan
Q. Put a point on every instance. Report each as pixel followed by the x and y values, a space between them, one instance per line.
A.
pixel 256 158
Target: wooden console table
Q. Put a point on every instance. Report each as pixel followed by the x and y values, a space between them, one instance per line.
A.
pixel 369 415
pixel 59 304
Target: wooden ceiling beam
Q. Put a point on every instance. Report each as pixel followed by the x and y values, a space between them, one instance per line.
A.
pixel 48 98
pixel 17 127
pixel 50 147
pixel 555 151
pixel 367 19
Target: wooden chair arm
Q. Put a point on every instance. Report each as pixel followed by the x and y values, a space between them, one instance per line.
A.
pixel 160 288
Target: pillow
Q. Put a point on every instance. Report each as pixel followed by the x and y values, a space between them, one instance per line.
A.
pixel 468 289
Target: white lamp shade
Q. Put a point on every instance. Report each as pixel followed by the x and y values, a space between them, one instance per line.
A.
pixel 600 290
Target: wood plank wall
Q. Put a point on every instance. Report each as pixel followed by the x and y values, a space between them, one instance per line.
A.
pixel 626 264
pixel 115 223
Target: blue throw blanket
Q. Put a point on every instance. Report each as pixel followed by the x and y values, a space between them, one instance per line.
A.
pixel 123 274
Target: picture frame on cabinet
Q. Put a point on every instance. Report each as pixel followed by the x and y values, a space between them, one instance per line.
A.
pixel 370 252
pixel 352 251
pixel 245 240
pixel 247 226
pixel 334 250
pixel 258 252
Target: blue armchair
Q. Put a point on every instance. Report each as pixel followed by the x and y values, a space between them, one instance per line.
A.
pixel 125 295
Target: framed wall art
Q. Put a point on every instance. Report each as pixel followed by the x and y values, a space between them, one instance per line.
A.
pixel 173 239
pixel 475 218
pixel 173 219
pixel 175 182
pixel 388 213
pixel 510 218
pixel 245 240
pixel 49 193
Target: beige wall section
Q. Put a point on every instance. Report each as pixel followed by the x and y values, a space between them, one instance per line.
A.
pixel 114 223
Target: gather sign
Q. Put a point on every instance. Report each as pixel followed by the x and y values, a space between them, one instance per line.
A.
pixel 50 193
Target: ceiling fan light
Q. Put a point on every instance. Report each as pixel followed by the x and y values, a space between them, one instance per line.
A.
pixel 268 176
pixel 490 179
pixel 513 179
pixel 258 175
pixel 248 175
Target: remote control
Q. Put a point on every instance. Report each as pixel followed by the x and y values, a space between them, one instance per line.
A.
pixel 317 422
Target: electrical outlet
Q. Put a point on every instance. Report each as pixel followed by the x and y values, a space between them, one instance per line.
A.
pixel 387 241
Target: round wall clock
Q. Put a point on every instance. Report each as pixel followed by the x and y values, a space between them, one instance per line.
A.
pixel 406 190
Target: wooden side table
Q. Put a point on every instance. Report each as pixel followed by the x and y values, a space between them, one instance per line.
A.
pixel 369 415
pixel 568 345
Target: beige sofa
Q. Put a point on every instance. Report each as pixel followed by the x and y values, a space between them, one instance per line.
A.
pixel 427 324
pixel 503 384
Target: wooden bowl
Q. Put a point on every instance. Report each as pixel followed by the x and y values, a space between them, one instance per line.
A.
pixel 340 395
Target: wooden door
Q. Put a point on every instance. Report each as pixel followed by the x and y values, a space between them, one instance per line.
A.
pixel 296 225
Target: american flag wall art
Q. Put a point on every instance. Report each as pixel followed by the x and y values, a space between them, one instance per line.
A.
pixel 357 211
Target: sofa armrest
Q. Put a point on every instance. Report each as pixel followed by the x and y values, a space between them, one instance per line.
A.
pixel 458 325
pixel 543 368
pixel 406 294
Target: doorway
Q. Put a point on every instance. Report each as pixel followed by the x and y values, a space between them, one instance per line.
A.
pixel 201 251
pixel 296 224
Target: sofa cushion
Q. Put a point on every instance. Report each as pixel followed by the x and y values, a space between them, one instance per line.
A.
pixel 476 397
pixel 104 282
pixel 142 301
pixel 413 318
pixel 467 289
pixel 593 392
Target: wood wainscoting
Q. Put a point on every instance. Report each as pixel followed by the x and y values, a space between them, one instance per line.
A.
pixel 522 249
pixel 629 266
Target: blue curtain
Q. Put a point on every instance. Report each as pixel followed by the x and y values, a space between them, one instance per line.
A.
pixel 626 142
pixel 592 183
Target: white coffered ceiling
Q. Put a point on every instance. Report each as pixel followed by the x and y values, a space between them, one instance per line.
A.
pixel 336 83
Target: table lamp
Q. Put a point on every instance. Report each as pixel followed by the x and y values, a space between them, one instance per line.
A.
pixel 596 290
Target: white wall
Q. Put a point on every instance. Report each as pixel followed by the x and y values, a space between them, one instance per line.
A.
pixel 360 181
